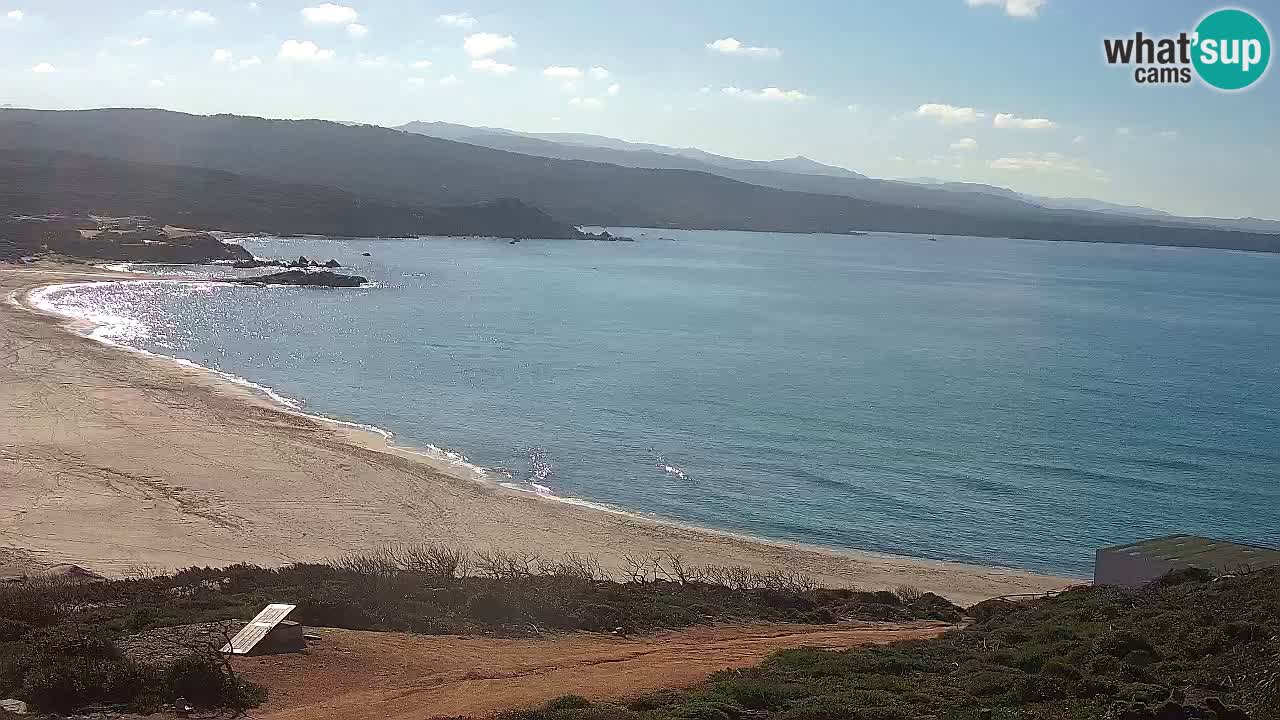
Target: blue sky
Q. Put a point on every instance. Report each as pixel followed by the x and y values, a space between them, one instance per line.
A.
pixel 1008 92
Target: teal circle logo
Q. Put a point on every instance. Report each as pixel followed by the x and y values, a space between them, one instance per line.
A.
pixel 1232 49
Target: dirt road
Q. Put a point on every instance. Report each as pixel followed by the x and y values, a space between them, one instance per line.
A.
pixel 362 675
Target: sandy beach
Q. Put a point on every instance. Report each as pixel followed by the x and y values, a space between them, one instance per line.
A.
pixel 120 462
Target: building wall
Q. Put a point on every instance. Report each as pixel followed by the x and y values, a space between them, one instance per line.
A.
pixel 1120 568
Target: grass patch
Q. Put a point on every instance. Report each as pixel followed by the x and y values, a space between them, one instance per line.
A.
pixel 1186 646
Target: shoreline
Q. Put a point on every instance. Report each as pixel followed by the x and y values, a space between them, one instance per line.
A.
pixel 523 520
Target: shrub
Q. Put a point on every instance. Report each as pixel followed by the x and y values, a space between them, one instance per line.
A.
pixel 568 702
pixel 1184 575
pixel 1122 642
pixel 14 630
pixel 333 610
pixel 755 694
pixel 71 667
pixel 205 682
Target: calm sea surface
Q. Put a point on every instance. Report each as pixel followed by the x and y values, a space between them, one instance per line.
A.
pixel 992 401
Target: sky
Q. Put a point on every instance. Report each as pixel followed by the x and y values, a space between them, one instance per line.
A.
pixel 1014 93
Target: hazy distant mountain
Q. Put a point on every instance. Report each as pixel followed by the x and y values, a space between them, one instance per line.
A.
pixel 766 173
pixel 1247 224
pixel 1244 224
pixel 803 175
pixel 402 169
pixel 479 136
pixel 1069 203
pixel 804 166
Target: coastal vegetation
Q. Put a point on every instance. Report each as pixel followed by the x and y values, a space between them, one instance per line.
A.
pixel 1186 646
pixel 63 640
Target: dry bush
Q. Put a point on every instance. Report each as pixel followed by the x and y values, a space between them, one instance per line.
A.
pixel 574 566
pixel 436 561
pixel 502 564
pixel 735 577
pixel 908 593
pixel 380 562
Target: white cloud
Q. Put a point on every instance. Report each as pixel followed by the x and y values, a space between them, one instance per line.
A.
pixel 356 30
pixel 43 67
pixel 614 89
pixel 733 46
pixel 563 72
pixel 140 41
pixel 221 55
pixel 854 108
pixel 948 114
pixel 1168 134
pixel 448 80
pixel 964 144
pixel 1048 162
pixel 704 90
pixel 490 65
pixel 330 14
pixel 416 83
pixel 485 44
pixel 253 7
pixel 378 62
pixel 249 62
pixel 770 93
pixel 586 103
pixel 304 51
pixel 461 20
pixel 420 64
pixel 1123 131
pixel 157 83
pixel 191 17
pixel 1007 120
pixel 1013 8
pixel 599 73
pixel 1079 140
pixel 15 15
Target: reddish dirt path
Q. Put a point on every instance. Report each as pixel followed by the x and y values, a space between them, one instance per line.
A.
pixel 351 675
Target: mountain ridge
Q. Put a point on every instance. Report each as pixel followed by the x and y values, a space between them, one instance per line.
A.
pixel 406 169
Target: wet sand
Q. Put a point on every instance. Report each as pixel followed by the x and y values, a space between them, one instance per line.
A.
pixel 122 463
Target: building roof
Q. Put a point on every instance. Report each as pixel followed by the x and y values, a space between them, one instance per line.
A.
pixel 1181 551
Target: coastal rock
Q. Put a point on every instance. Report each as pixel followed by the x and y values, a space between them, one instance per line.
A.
pixel 606 236
pixel 301 262
pixel 133 242
pixel 301 278
pixel 257 263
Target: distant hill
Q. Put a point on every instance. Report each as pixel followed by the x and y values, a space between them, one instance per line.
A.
pixel 401 169
pixel 38 182
pixel 782 174
pixel 1071 203
pixel 798 174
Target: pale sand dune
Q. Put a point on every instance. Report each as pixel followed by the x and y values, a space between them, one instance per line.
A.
pixel 113 460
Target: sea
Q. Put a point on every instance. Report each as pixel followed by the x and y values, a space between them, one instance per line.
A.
pixel 992 401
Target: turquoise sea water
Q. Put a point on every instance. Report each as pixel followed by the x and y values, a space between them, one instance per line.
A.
pixel 992 401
